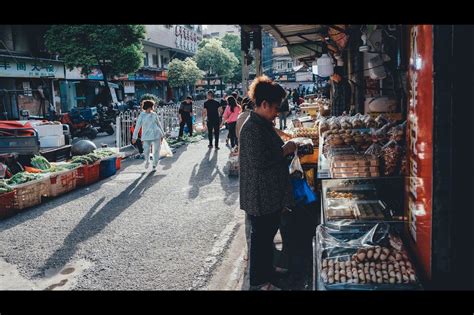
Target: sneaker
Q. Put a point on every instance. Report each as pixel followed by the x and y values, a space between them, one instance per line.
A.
pixel 217 148
pixel 154 168
pixel 210 146
pixel 147 163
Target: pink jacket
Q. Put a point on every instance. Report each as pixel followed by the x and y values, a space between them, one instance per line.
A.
pixel 231 117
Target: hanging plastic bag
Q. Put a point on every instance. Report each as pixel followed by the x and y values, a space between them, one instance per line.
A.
pixel 165 150
pixel 392 154
pixel 302 193
pixel 296 167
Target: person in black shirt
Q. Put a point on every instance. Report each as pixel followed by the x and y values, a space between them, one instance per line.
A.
pixel 185 116
pixel 212 109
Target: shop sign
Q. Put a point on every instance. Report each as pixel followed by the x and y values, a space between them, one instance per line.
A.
pixel 144 77
pixel 304 76
pixel 186 39
pixel 419 182
pixel 26 68
pixel 129 87
pixel 161 76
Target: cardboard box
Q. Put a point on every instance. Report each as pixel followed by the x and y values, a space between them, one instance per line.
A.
pixel 52 141
pixel 49 130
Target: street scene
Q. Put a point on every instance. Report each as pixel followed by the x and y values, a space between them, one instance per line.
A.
pixel 232 158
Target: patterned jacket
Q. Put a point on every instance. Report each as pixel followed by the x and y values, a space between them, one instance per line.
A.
pixel 264 177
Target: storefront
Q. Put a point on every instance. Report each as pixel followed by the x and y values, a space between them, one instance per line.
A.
pixel 387 206
pixel 30 85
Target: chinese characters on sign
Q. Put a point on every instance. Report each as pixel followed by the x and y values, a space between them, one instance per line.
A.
pixel 12 67
pixel 186 39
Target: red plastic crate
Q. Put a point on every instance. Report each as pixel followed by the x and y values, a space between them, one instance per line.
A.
pixel 88 174
pixel 62 182
pixel 118 163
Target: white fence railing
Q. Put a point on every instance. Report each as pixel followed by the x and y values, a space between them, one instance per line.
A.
pixel 168 116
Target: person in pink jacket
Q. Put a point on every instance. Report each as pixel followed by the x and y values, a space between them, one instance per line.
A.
pixel 231 114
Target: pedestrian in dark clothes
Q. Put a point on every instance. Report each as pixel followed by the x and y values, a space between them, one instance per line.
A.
pixel 210 115
pixel 265 188
pixel 185 116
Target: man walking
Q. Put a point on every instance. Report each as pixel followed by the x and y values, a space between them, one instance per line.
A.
pixel 185 116
pixel 211 111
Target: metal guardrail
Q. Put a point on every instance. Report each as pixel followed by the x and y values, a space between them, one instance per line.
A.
pixel 168 116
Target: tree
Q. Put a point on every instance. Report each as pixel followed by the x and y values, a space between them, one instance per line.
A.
pixel 183 73
pixel 232 43
pixel 215 59
pixel 114 49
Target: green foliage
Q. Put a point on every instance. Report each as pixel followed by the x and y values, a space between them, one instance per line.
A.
pixel 232 43
pixel 183 73
pixel 149 96
pixel 213 58
pixel 115 49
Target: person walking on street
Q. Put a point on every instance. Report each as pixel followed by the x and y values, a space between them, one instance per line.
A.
pixel 284 109
pixel 212 109
pixel 231 114
pixel 185 116
pixel 152 133
pixel 265 187
pixel 237 97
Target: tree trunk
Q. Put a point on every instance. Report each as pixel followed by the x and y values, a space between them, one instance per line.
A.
pixel 107 89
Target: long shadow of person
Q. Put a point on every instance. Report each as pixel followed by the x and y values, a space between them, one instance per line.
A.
pixel 205 175
pixel 230 185
pixel 167 162
pixel 95 221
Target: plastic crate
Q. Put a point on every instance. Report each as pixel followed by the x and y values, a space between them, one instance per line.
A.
pixel 88 174
pixel 62 182
pixel 108 167
pixel 118 163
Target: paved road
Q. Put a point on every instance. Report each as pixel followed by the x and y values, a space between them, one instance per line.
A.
pixel 134 231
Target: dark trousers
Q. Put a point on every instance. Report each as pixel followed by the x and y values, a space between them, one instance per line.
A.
pixel 186 121
pixel 262 232
pixel 213 126
pixel 232 134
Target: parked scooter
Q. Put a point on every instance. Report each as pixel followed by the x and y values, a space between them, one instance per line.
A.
pixel 80 122
pixel 105 119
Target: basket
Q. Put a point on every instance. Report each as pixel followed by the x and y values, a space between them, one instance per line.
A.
pixel 108 167
pixel 88 174
pixel 62 182
pixel 30 194
pixel 7 205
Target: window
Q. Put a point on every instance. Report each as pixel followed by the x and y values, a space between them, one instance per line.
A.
pixel 155 60
pixel 145 61
pixel 290 65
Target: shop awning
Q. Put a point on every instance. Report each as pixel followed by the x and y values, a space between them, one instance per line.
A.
pixel 306 41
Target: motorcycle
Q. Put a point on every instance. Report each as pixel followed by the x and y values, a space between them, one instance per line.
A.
pixel 80 122
pixel 105 119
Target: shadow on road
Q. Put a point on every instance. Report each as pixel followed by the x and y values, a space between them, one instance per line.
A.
pixel 205 175
pixel 96 220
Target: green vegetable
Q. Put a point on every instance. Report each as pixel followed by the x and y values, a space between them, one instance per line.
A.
pixel 23 177
pixel 40 162
pixel 4 187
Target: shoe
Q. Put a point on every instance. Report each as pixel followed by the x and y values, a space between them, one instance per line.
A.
pixel 154 168
pixel 210 146
pixel 217 148
pixel 227 141
pixel 147 163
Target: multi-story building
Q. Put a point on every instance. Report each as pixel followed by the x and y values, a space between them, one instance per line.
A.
pixel 268 43
pixel 289 72
pixel 162 44
pixel 219 31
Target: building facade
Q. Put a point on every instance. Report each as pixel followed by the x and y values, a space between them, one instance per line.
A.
pixel 219 31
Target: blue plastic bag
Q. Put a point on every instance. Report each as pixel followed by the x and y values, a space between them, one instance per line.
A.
pixel 302 192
